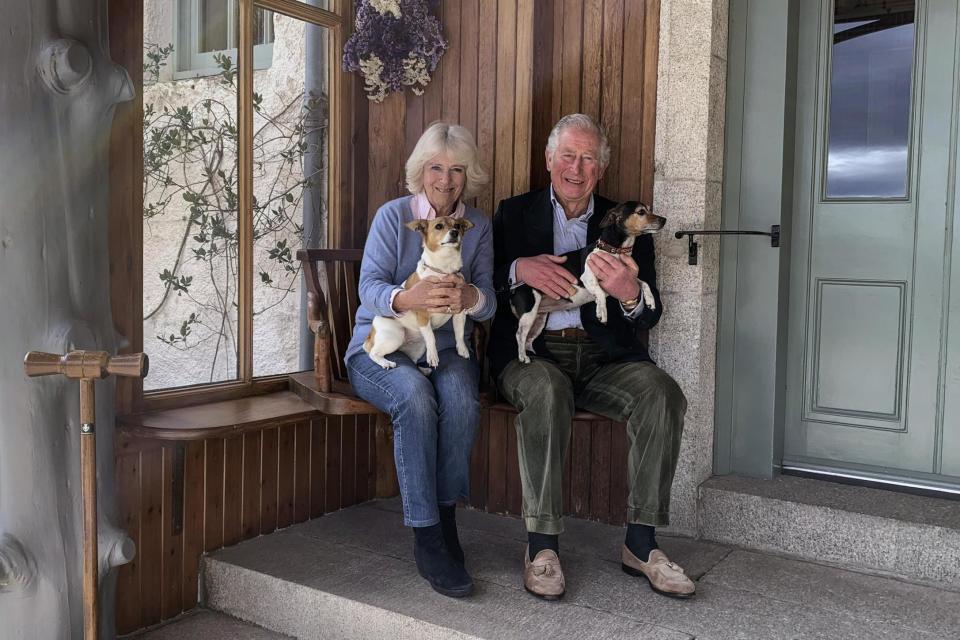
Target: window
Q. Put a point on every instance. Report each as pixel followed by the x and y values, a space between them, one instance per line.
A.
pixel 236 175
pixel 208 29
pixel 870 99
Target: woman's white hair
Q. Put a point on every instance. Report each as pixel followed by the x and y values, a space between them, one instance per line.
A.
pixel 458 144
pixel 582 122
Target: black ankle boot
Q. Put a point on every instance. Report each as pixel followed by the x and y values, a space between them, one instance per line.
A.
pixel 436 564
pixel 448 524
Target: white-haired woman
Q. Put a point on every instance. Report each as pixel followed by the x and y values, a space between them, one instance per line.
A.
pixel 434 417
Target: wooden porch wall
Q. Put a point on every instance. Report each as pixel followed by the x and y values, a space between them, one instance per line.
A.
pixel 234 489
pixel 511 71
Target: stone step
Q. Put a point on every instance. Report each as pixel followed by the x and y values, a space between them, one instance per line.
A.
pixel 887 532
pixel 351 575
pixel 208 625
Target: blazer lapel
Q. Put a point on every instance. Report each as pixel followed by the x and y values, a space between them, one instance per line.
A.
pixel 539 219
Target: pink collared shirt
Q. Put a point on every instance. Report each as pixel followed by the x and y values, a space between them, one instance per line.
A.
pixel 423 210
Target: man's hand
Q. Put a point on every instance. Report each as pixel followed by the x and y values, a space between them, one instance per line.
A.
pixel 617 276
pixel 545 274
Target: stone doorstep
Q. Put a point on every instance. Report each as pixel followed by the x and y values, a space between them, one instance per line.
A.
pixel 351 575
pixel 862 528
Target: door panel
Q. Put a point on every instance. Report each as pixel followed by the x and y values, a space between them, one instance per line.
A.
pixel 867 306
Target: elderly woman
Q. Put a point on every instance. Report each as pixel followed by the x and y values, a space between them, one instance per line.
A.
pixel 434 416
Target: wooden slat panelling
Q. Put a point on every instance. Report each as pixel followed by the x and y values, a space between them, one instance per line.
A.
pixel 250 512
pixel 172 543
pixel 128 578
pixel 600 470
pixel 192 521
pixel 334 428
pixel 478 463
pixel 286 447
pixel 506 91
pixel 469 54
pixel 232 489
pixel 269 448
pixel 318 462
pixel 213 490
pixel 487 97
pixel 245 474
pixel 612 81
pixel 497 462
pixel 592 48
pixel 523 98
pixel 580 443
pixel 450 64
pixel 650 49
pixel 301 473
pixel 150 547
pixel 631 113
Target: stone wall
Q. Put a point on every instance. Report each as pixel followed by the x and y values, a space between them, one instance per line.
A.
pixel 691 89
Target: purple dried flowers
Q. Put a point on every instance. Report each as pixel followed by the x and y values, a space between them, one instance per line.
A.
pixel 396 44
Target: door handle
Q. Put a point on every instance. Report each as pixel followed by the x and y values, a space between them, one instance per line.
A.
pixel 693 247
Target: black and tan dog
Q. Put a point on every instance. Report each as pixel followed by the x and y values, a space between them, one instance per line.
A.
pixel 620 228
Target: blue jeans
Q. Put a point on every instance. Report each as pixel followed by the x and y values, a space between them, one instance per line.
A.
pixel 435 421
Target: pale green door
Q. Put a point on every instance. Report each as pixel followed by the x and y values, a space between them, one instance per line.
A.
pixel 873 373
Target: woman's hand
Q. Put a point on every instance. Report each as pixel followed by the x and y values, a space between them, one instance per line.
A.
pixel 437 294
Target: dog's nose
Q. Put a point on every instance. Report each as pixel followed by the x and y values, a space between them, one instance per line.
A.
pixel 454 233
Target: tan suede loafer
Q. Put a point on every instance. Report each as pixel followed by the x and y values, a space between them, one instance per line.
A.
pixel 543 577
pixel 665 577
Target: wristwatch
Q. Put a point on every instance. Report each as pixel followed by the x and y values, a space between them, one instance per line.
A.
pixel 631 304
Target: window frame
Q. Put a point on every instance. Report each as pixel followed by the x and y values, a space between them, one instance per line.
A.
pixel 131 396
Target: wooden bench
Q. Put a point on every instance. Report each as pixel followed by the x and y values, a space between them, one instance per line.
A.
pixel 595 478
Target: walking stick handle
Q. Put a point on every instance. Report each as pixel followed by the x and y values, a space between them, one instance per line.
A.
pixel 86 364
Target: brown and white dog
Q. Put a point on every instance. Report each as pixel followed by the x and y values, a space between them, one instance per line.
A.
pixel 412 333
pixel 620 229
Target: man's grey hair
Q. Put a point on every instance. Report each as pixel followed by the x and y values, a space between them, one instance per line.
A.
pixel 582 122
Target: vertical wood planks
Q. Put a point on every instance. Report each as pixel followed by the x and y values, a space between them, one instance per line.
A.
pixel 450 64
pixel 631 134
pixel 301 473
pixel 523 99
pixel 618 473
pixel 334 428
pixel 506 90
pixel 612 70
pixel 128 578
pixel 363 477
pixel 318 463
pixel 151 536
pixel 478 463
pixel 269 490
pixel 192 521
pixel 487 98
pixel 250 508
pixel 286 447
pixel 232 488
pixel 172 541
pixel 497 478
pixel 213 489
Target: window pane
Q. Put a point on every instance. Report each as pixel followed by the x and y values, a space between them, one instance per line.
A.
pixel 262 26
pixel 214 27
pixel 190 220
pixel 870 98
pixel 290 186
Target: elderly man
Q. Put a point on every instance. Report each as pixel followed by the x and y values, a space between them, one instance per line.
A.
pixel 579 362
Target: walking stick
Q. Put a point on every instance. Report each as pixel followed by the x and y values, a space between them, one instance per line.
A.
pixel 87 366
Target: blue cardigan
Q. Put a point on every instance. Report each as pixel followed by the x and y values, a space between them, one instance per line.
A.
pixel 391 255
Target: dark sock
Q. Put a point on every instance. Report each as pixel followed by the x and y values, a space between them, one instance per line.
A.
pixel 436 564
pixel 448 524
pixel 641 540
pixel 540 541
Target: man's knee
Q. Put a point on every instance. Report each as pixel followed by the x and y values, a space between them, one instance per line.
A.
pixel 657 388
pixel 539 384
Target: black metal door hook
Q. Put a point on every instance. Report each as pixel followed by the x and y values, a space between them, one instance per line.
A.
pixel 692 247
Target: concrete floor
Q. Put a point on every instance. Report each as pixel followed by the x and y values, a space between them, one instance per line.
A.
pixel 351 574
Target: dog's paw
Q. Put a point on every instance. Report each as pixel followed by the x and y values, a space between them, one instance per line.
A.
pixel 433 359
pixel 463 352
pixel 388 364
pixel 524 358
pixel 602 315
pixel 648 300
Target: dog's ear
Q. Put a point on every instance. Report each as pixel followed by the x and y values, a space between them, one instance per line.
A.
pixel 417 225
pixel 463 224
pixel 613 216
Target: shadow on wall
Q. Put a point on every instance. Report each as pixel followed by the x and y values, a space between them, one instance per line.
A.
pixel 56 107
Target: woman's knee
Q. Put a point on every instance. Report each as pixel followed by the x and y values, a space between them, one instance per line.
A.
pixel 417 404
